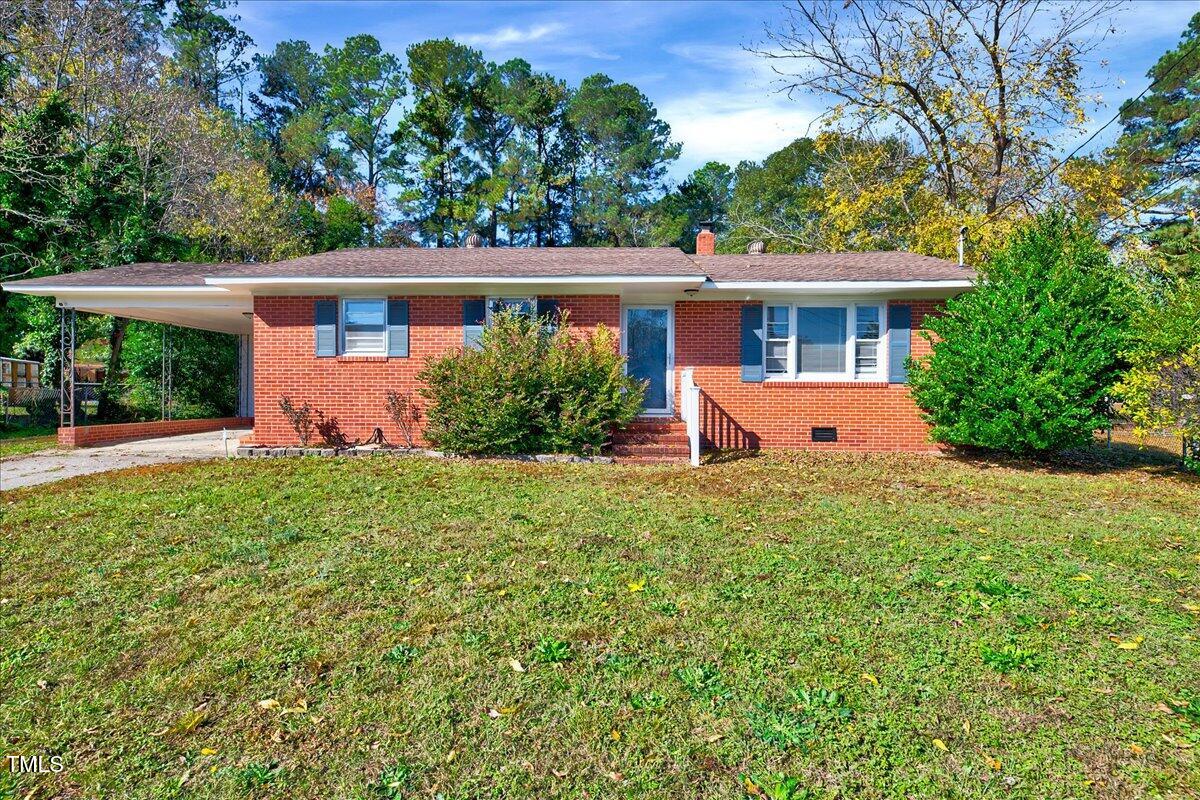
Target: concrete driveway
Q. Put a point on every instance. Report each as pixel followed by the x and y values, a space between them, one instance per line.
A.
pixel 55 465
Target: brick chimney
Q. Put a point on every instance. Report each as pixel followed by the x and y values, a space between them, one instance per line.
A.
pixel 706 240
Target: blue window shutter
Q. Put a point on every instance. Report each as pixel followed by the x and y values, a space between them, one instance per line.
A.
pixel 325 313
pixel 899 342
pixel 397 328
pixel 752 343
pixel 474 317
pixel 547 311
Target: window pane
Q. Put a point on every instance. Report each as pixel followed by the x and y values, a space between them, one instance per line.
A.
pixel 522 305
pixel 866 358
pixel 822 336
pixel 868 322
pixel 777 352
pixel 777 322
pixel 364 325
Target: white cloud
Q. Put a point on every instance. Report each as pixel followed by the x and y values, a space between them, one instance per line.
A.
pixel 719 126
pixel 508 35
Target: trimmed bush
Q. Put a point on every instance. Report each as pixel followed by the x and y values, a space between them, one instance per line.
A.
pixel 1024 363
pixel 529 389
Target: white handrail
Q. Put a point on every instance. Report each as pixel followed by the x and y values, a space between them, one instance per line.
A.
pixel 690 411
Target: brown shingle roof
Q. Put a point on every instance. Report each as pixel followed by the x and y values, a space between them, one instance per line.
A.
pixel 531 262
pixel 414 262
pixel 878 266
pixel 180 273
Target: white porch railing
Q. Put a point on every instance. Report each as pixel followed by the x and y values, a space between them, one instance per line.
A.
pixel 689 411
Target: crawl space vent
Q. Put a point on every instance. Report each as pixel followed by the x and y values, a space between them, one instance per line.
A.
pixel 824 434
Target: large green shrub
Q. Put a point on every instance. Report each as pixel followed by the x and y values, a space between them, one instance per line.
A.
pixel 529 389
pixel 1024 362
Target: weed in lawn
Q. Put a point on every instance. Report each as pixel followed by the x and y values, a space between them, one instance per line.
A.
pixel 255 775
pixel 1187 707
pixel 775 786
pixel 1009 658
pixel 393 782
pixel 702 681
pixel 549 650
pixel 781 727
pixel 823 705
pixel 999 588
pixel 401 654
pixel 647 701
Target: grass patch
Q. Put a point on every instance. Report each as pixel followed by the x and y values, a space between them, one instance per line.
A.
pixel 789 626
pixel 17 440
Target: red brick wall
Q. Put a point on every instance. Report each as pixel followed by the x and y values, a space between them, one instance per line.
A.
pixel 868 416
pixel 90 435
pixel 354 389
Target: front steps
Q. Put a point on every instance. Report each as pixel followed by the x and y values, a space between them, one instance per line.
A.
pixel 651 440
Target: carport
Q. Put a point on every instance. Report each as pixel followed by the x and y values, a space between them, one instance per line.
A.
pixel 173 294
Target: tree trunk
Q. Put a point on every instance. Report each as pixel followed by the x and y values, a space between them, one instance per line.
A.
pixel 107 405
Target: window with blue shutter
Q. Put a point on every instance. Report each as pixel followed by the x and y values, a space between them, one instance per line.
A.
pixel 547 311
pixel 325 327
pixel 752 343
pixel 397 328
pixel 899 342
pixel 474 318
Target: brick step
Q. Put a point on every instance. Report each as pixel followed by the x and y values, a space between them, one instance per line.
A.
pixel 638 460
pixel 681 450
pixel 654 426
pixel 628 437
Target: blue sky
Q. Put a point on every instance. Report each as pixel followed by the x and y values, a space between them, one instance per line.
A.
pixel 687 57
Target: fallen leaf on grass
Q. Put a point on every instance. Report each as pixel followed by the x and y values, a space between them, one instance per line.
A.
pixel 1083 577
pixel 1129 644
pixel 994 763
pixel 869 678
pixel 268 704
pixel 940 745
pixel 516 665
pixel 615 735
pixel 1137 749
pixel 637 586
pixel 207 751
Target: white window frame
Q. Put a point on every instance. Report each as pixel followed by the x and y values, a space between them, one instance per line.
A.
pixel 850 374
pixel 383 341
pixel 880 344
pixel 508 298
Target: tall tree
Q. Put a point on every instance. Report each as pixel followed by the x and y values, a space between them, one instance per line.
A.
pixel 625 152
pixel 443 74
pixel 982 85
pixel 704 196
pixel 541 158
pixel 209 49
pixel 365 86
pixel 490 127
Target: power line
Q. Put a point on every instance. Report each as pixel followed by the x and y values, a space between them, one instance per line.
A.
pixel 1046 176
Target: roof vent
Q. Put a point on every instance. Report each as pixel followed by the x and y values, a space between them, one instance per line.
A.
pixel 474 240
pixel 756 248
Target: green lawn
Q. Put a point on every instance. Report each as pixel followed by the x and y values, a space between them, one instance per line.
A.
pixel 17 440
pixel 852 627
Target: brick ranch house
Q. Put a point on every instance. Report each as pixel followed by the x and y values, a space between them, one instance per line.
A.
pixel 793 351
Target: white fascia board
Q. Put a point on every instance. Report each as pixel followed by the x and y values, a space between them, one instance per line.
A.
pixel 849 287
pixel 42 290
pixel 568 280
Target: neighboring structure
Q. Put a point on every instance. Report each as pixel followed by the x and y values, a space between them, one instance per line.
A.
pixel 787 350
pixel 19 373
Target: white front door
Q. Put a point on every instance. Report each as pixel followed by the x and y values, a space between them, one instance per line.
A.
pixel 648 335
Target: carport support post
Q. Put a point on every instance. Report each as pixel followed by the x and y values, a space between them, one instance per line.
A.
pixel 66 367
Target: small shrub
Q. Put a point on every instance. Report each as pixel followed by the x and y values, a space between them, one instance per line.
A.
pixel 551 651
pixel 255 775
pixel 823 705
pixel 301 419
pixel 775 786
pixel 401 654
pixel 404 413
pixel 528 389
